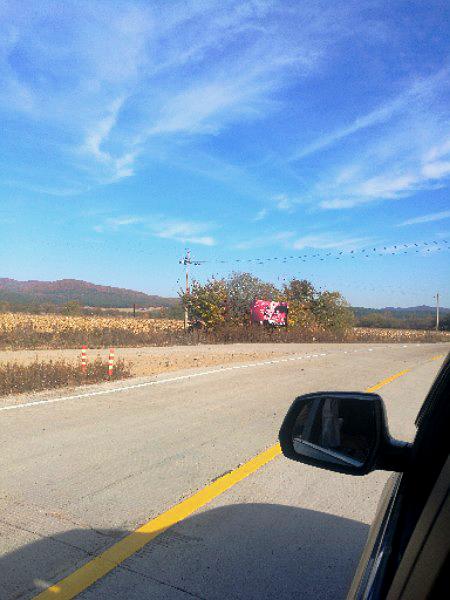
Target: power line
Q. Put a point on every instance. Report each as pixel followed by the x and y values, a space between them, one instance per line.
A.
pixel 390 250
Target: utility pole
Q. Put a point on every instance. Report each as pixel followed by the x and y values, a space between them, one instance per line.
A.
pixel 186 261
pixel 437 311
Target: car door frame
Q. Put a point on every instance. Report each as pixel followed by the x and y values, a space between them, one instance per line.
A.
pixel 401 535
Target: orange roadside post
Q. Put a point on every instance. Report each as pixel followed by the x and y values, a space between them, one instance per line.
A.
pixel 111 362
pixel 83 359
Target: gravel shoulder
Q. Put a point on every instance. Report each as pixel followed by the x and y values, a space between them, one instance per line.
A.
pixel 154 360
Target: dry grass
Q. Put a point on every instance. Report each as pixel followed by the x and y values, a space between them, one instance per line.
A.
pixel 16 378
pixel 375 334
pixel 307 335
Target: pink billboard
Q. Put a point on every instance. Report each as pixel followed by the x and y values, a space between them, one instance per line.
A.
pixel 268 312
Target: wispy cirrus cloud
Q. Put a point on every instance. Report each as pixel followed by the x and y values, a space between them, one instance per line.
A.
pixel 261 214
pixel 285 203
pixel 61 191
pixel 418 90
pixel 406 150
pixel 330 240
pixel 147 80
pixel 398 170
pixel 280 237
pixel 185 231
pixel 71 71
pixel 429 218
pixel 390 184
pixel 141 75
pixel 117 223
pixel 117 167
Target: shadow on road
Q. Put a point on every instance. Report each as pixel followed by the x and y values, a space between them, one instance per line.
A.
pixel 235 551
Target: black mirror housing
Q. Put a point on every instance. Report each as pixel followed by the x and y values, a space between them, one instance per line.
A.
pixel 345 432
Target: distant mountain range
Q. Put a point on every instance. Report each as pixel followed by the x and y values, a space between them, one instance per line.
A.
pixel 90 294
pixel 87 294
pixel 400 312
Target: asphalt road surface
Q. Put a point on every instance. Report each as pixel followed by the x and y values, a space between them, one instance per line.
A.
pixel 80 471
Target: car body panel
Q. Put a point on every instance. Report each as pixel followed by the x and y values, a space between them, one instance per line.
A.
pixel 375 551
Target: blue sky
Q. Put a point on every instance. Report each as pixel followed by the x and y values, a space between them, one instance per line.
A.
pixel 132 130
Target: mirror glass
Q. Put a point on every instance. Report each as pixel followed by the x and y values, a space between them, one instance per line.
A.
pixel 336 430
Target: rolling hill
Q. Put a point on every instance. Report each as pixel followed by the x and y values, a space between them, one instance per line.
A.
pixel 87 294
pixel 399 312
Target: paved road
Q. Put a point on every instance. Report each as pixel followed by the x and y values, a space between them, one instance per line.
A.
pixel 79 473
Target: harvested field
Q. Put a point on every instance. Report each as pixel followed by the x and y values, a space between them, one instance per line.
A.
pixel 24 331
pixel 18 330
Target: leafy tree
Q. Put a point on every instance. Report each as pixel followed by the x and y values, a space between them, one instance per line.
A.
pixel 311 308
pixel 301 296
pixel 395 320
pixel 207 303
pixel 5 306
pixel 445 323
pixel 333 312
pixel 242 289
pixel 72 308
pixel 176 311
pixel 300 290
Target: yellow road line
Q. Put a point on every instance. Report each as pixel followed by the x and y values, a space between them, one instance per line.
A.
pixel 86 575
pixel 101 565
pixel 379 385
pixel 437 357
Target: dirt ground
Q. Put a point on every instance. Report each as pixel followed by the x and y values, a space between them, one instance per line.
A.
pixel 155 360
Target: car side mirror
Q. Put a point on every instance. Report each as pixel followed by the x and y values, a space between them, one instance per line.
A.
pixel 342 431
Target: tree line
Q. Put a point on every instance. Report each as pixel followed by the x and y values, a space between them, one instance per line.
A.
pixel 226 301
pixel 401 319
